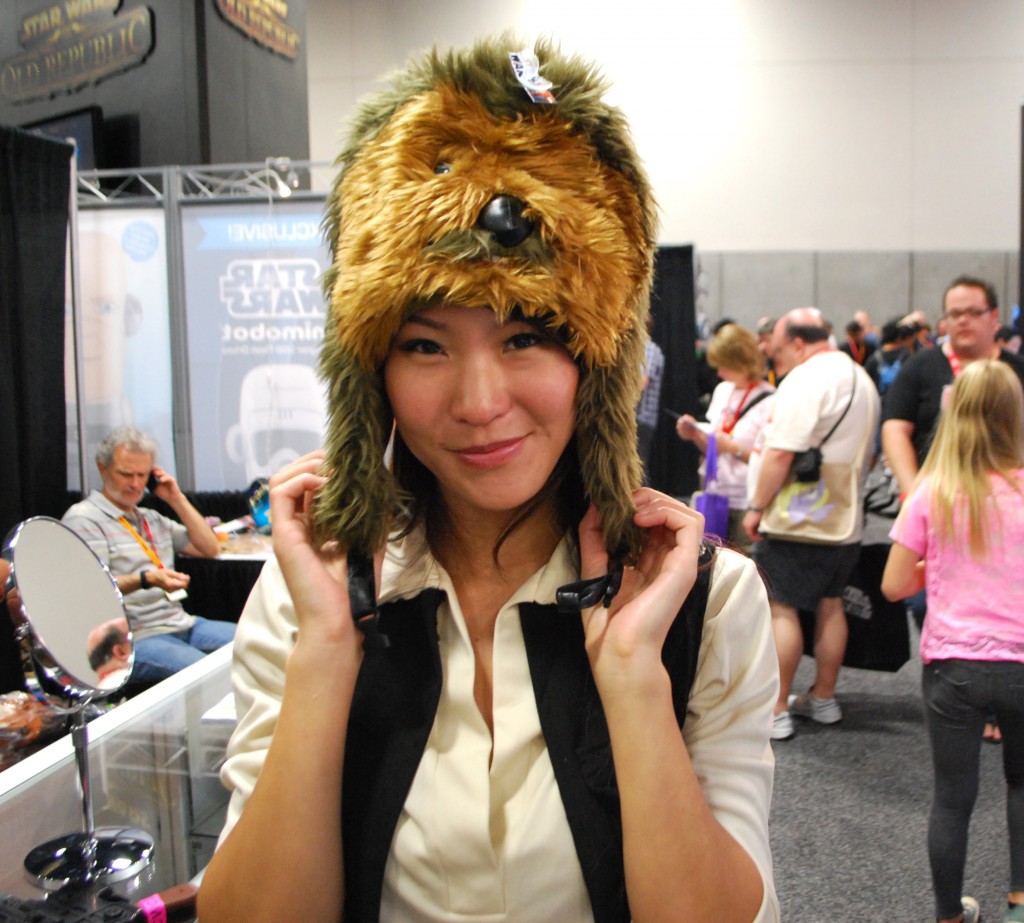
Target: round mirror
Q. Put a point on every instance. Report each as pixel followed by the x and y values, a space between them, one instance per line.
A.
pixel 70 624
pixel 66 609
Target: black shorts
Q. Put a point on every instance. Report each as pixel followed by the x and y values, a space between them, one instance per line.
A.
pixel 800 575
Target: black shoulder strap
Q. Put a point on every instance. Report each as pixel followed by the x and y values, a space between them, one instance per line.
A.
pixel 393 710
pixel 849 404
pixel 576 732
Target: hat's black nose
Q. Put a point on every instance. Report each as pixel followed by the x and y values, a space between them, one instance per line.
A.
pixel 503 217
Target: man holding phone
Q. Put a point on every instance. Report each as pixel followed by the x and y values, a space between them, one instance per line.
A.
pixel 138 546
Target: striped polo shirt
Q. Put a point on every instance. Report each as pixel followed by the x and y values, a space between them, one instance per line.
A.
pixel 96 520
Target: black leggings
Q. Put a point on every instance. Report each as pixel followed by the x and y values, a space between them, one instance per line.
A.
pixel 958 695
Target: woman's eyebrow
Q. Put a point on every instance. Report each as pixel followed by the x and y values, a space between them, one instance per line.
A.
pixel 425 321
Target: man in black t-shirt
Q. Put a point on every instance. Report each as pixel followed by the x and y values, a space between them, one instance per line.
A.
pixel 917 396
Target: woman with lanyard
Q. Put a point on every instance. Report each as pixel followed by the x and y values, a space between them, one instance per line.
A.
pixel 737 414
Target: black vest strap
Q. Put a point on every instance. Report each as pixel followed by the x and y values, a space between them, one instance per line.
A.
pixel 576 733
pixel 393 712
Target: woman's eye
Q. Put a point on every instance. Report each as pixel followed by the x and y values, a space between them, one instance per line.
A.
pixel 524 340
pixel 418 345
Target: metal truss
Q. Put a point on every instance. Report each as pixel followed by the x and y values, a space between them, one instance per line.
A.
pixel 110 187
pixel 276 178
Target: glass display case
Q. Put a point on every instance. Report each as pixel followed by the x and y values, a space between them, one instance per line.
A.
pixel 154 765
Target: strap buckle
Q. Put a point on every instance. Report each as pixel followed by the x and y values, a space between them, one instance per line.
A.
pixel 362 595
pixel 575 597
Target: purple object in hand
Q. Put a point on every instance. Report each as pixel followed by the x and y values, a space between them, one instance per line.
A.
pixel 713 506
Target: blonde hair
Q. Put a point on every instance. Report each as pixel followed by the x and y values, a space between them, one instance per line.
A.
pixel 980 433
pixel 735 348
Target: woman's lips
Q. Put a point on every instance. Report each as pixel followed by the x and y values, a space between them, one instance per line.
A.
pixel 492 454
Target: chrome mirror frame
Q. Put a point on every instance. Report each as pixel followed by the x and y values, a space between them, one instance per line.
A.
pixel 90 856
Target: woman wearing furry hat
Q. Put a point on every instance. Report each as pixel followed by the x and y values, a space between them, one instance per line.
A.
pixel 558 709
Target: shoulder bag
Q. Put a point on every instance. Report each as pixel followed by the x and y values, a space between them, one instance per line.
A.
pixel 817 504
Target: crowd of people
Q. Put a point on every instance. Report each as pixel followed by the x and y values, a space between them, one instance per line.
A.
pixel 941 416
pixel 798 417
pixel 501 676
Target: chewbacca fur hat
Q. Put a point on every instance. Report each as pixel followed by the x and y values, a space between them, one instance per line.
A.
pixel 465 184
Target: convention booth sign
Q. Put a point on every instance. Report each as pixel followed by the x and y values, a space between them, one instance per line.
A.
pixel 123 335
pixel 255 321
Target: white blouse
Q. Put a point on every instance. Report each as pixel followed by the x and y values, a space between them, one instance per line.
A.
pixel 491 843
pixel 477 841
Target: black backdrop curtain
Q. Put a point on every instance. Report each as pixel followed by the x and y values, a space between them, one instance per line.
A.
pixel 34 177
pixel 674 462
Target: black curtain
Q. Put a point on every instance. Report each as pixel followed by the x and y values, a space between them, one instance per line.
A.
pixel 674 463
pixel 34 177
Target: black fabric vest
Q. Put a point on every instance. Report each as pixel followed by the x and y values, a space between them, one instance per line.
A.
pixel 393 711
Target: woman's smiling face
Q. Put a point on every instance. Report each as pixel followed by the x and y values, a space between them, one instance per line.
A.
pixel 487 407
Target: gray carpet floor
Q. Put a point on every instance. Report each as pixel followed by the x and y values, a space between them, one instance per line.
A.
pixel 850 810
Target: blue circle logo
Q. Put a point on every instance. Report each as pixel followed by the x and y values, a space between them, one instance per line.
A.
pixel 140 241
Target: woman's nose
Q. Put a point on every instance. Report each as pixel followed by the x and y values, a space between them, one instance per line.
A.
pixel 481 392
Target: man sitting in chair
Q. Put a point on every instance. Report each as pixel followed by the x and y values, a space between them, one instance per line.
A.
pixel 138 546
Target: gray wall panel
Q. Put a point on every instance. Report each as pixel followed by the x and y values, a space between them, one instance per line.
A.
pixel 878 283
pixel 709 285
pixel 755 284
pixel 747 286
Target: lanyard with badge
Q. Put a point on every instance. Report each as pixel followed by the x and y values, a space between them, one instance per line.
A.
pixel 151 552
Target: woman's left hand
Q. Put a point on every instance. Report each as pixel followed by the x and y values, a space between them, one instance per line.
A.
pixel 624 641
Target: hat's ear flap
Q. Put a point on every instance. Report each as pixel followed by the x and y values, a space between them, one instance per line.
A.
pixel 606 440
pixel 359 499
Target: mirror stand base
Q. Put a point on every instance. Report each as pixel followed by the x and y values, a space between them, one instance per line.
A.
pixel 113 854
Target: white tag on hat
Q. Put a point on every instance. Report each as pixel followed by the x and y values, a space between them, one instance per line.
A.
pixel 526 67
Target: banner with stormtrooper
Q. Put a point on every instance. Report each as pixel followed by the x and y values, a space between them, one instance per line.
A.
pixel 255 318
pixel 124 334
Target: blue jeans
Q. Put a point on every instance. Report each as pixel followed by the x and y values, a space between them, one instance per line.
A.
pixel 958 696
pixel 160 656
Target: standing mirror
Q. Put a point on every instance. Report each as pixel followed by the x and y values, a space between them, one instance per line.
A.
pixel 59 594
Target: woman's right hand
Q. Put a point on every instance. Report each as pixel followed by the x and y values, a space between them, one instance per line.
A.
pixel 295 802
pixel 686 427
pixel 316 576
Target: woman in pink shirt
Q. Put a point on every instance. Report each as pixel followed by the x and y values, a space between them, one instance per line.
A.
pixel 961 535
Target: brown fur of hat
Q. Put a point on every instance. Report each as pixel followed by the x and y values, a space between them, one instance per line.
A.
pixel 421 162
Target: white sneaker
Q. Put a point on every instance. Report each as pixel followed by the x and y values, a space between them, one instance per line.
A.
pixel 972 912
pixel 782 726
pixel 824 711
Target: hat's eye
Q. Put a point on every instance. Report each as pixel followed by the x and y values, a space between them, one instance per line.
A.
pixel 442 168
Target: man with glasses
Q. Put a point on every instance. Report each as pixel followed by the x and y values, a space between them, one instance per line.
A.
pixel 917 396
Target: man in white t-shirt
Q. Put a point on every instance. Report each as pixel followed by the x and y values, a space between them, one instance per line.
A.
pixel 819 383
